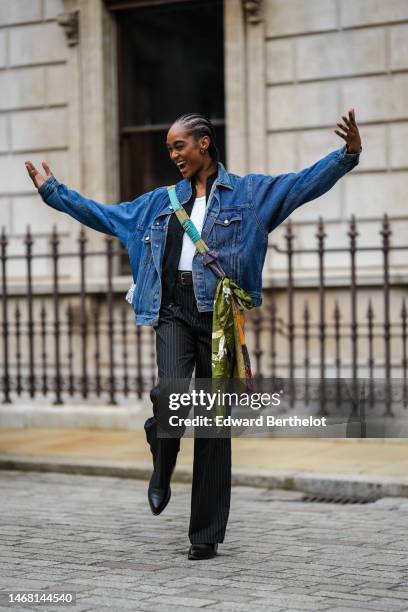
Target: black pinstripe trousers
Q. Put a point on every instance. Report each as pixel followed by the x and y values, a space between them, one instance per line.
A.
pixel 183 342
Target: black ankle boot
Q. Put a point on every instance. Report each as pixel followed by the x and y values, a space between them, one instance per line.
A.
pixel 159 491
pixel 158 498
pixel 202 551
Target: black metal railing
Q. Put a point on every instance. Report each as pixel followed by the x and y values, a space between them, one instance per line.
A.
pixel 72 335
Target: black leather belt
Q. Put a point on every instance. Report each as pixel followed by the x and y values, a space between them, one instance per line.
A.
pixel 184 277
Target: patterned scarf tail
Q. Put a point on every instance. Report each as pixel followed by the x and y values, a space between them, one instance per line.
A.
pixel 230 357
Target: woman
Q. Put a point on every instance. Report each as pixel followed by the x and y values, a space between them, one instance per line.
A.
pixel 173 290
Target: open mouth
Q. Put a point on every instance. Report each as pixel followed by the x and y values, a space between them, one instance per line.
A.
pixel 181 165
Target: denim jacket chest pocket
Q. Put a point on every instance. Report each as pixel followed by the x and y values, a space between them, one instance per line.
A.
pixel 227 228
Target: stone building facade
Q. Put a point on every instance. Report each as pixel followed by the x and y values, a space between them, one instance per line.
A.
pixel 291 68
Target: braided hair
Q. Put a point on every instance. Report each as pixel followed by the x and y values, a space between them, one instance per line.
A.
pixel 197 125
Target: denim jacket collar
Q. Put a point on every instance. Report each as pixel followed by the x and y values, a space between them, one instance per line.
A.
pixel 184 188
pixel 223 178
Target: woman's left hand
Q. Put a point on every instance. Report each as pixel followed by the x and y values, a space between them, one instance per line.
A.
pixel 349 132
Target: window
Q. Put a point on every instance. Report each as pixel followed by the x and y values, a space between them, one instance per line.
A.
pixel 171 61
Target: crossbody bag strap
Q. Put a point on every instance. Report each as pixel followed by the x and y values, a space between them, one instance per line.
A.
pixel 209 257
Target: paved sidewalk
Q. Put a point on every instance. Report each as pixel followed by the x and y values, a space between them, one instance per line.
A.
pixel 332 467
pixel 330 456
pixel 96 537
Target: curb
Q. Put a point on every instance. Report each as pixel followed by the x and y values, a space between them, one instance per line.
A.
pixel 360 486
pixel 75 416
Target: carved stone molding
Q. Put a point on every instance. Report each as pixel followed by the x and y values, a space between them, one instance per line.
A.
pixel 70 23
pixel 252 10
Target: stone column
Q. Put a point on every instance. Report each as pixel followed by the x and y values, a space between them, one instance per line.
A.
pixel 93 104
pixel 235 87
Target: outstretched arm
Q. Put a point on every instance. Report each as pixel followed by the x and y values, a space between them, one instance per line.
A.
pixel 276 197
pixel 113 219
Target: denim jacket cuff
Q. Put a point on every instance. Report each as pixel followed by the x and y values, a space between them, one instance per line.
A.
pixel 48 187
pixel 349 158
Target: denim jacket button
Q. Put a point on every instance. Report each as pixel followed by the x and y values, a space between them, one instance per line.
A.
pixel 226 221
pixel 147 238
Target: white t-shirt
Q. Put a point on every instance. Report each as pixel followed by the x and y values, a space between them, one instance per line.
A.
pixel 188 249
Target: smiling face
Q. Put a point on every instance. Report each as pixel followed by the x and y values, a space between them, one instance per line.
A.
pixel 185 150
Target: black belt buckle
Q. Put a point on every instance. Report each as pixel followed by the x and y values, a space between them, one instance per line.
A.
pixel 185 278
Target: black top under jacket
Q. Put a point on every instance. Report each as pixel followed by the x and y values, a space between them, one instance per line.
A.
pixel 174 243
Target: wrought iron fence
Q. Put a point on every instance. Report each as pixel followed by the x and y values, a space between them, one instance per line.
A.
pixel 65 338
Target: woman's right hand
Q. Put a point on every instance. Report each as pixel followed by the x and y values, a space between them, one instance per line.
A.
pixel 37 178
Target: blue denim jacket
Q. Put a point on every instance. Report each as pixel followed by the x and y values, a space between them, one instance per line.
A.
pixel 241 211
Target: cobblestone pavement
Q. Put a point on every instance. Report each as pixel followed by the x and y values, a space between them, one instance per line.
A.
pixel 95 536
